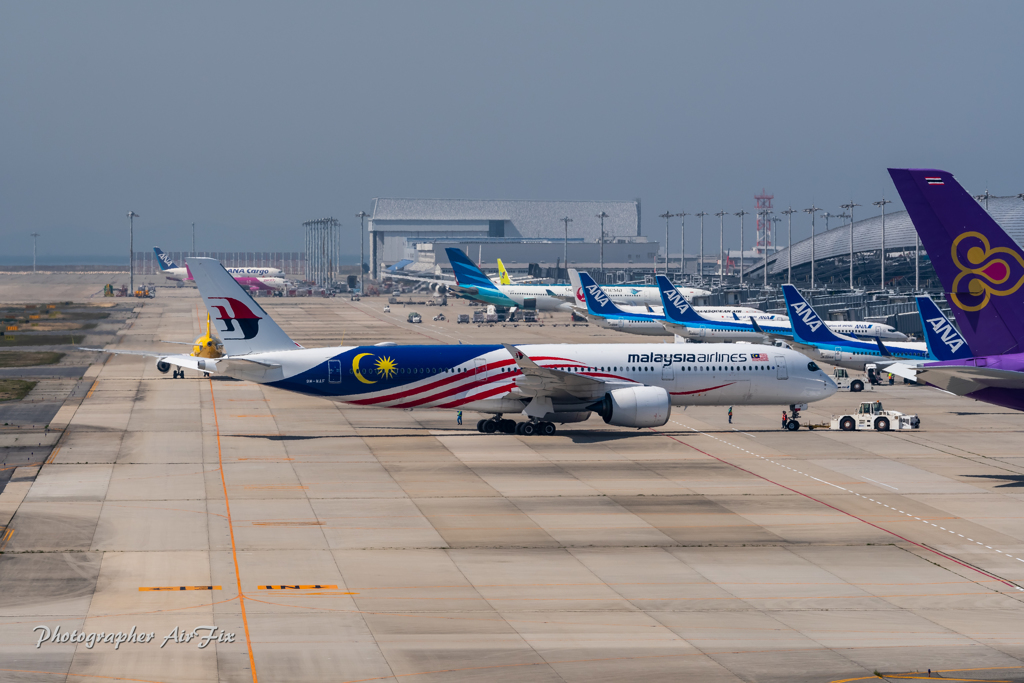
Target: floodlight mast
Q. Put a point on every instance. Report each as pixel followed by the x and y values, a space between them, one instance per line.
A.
pixel 34 236
pixel 362 233
pixel 741 213
pixel 667 216
pixel 602 216
pixel 813 210
pixel 682 244
pixel 721 248
pixel 849 207
pixel 882 204
pixel 701 214
pixel 789 248
pixel 131 250
pixel 776 220
pixel 565 246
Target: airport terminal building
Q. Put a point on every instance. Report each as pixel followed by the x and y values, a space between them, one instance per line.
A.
pixel 517 231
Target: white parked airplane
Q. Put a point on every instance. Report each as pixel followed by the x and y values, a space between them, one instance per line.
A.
pixel 630 385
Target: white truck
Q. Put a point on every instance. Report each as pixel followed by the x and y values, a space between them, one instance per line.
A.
pixel 871 415
pixel 844 380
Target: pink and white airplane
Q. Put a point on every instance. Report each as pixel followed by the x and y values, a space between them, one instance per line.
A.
pixel 253 279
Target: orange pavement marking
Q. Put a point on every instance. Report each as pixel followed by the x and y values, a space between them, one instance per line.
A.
pixel 231 529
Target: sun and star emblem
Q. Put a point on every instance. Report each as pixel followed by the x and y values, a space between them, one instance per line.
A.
pixel 385 366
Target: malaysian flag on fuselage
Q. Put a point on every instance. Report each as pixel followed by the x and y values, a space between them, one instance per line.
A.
pixel 759 356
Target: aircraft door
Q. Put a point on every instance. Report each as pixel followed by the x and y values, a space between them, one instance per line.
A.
pixel 478 367
pixel 334 371
pixel 782 372
pixel 668 374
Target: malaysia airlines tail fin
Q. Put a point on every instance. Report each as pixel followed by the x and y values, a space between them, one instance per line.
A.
pixel 980 267
pixel 944 342
pixel 163 260
pixel 503 277
pixel 677 308
pixel 242 324
pixel 808 327
pixel 467 273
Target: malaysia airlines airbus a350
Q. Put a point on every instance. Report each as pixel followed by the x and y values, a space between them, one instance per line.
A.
pixel 630 385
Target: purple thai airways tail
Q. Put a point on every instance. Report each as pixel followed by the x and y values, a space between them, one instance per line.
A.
pixel 980 267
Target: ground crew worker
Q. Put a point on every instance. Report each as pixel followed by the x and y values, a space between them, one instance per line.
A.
pixel 458 417
pixel 730 414
pixel 785 419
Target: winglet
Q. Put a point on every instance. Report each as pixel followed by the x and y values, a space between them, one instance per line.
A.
pixel 521 359
pixel 881 348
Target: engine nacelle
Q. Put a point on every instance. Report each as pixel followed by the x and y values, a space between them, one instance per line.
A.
pixel 163 366
pixel 635 407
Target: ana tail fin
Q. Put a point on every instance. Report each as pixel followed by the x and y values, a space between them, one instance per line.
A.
pixel 597 300
pixel 980 267
pixel 163 260
pixel 677 308
pixel 242 324
pixel 808 327
pixel 944 341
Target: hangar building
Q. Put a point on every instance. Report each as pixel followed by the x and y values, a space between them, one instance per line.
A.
pixel 523 230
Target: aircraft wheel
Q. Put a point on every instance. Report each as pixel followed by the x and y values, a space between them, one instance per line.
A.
pixel 847 424
pixel 792 425
pixel 480 426
pixel 548 429
pixel 507 427
pixel 856 385
pixel 882 424
pixel 490 426
pixel 518 430
pixel 529 429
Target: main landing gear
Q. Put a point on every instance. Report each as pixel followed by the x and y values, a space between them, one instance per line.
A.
pixel 499 425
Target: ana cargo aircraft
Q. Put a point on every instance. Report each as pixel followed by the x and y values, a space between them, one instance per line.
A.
pixel 245 276
pixel 474 284
pixel 630 385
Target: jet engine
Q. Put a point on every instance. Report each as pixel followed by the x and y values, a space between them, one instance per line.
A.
pixel 635 407
pixel 163 366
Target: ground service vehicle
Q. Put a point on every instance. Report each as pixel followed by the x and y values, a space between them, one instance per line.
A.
pixel 463 318
pixel 414 318
pixel 871 415
pixel 843 380
pixel 387 308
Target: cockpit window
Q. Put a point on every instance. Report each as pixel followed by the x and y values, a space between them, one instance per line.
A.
pixel 813 367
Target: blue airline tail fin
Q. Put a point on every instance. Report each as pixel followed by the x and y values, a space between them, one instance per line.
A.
pixel 163 260
pixel 467 273
pixel 944 341
pixel 677 308
pixel 597 300
pixel 807 325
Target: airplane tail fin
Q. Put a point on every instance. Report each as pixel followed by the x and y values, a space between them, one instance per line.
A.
pixel 242 324
pixel 808 327
pixel 597 300
pixel 577 288
pixel 467 273
pixel 503 277
pixel 677 309
pixel 980 267
pixel 163 260
pixel 944 341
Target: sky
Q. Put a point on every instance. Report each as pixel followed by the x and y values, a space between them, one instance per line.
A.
pixel 249 118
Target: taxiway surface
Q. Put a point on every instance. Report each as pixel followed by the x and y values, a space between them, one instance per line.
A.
pixel 344 543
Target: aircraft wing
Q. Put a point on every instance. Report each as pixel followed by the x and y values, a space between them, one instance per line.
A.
pixel 960 379
pixel 555 385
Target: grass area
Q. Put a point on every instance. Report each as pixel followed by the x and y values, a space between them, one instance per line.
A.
pixel 14 389
pixel 41 339
pixel 24 359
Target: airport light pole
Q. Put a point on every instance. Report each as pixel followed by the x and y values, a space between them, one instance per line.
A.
pixel 789 248
pixel 776 220
pixel 741 213
pixel 362 231
pixel 682 244
pixel 34 236
pixel 813 210
pixel 882 204
pixel 131 250
pixel 849 207
pixel 668 215
pixel 602 216
pixel 565 248
pixel 721 247
pixel 985 195
pixel 701 214
pixel 193 238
